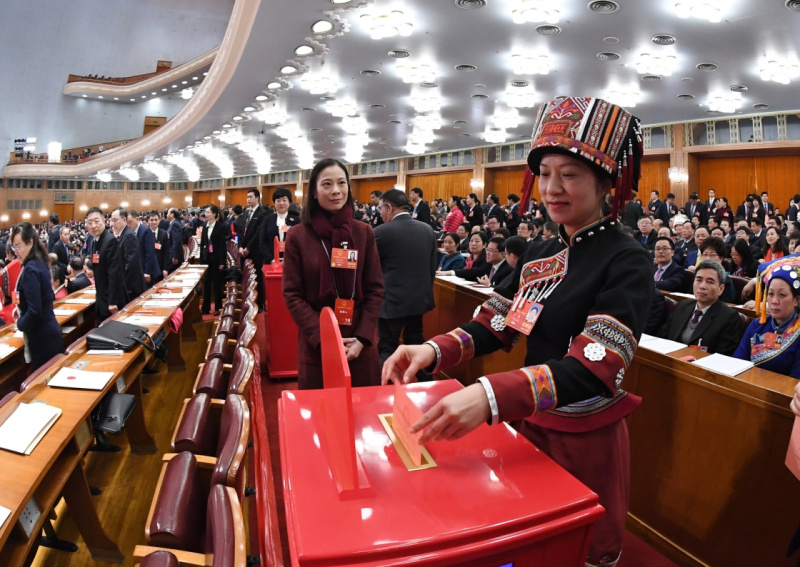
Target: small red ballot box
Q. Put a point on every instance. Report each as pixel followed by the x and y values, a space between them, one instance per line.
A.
pixel 489 499
pixel 281 329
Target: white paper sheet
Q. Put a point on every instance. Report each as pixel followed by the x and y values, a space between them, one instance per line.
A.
pixel 664 346
pixel 105 352
pixel 6 350
pixel 80 300
pixel 722 364
pixel 4 514
pixel 145 320
pixel 26 426
pixel 64 312
pixel 163 303
pixel 80 379
pixel 168 295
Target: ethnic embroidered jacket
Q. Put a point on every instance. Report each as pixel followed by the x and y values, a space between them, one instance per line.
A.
pixel 782 357
pixel 595 290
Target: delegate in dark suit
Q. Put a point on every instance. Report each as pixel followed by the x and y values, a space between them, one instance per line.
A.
pixel 499 275
pixel 131 264
pixel 43 338
pixel 698 210
pixel 269 230
pixel 107 270
pixel 408 254
pixel 649 241
pixel 52 237
pixel 250 242
pixel 513 219
pixel 214 253
pixel 78 282
pixel 175 245
pixel 161 246
pixel 718 329
pixel 673 278
pixel 422 212
pixel 666 211
pixel 147 253
pixel 60 250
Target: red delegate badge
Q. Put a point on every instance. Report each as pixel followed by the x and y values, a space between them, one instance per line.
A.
pixel 343 309
pixel 344 258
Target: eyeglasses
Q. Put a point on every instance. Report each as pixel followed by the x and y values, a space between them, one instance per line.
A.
pixel 93 221
pixel 491 251
pixel 662 249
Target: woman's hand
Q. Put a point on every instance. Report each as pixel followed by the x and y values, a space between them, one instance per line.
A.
pixel 454 415
pixel 352 348
pixel 406 361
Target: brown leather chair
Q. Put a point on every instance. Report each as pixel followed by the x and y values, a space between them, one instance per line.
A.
pixel 669 306
pixel 738 285
pixel 218 379
pixel 177 512
pixel 202 421
pixel 7 398
pixel 223 533
pixel 223 347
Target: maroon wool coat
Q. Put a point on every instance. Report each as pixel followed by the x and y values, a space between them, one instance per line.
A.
pixel 304 259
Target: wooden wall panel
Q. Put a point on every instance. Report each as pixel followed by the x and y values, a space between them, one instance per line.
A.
pixel 237 197
pixel 441 185
pixel 735 177
pixel 65 211
pixel 503 182
pixel 363 187
pixel 654 178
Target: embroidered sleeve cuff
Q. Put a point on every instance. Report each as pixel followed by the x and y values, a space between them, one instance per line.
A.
pixel 487 386
pixel 523 392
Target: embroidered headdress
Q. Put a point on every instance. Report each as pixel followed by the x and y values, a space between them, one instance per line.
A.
pixel 786 269
pixel 607 136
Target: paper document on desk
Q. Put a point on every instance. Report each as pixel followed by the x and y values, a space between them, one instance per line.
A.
pixel 168 295
pixel 89 291
pixel 145 320
pixel 4 514
pixel 664 346
pixel 23 430
pixel 64 312
pixel 161 303
pixel 6 350
pixel 80 379
pixel 18 335
pixel 722 364
pixel 80 300
pixel 105 352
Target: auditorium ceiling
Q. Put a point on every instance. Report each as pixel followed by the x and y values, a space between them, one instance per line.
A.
pixel 447 75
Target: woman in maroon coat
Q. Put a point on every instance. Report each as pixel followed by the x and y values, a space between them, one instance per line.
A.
pixel 310 283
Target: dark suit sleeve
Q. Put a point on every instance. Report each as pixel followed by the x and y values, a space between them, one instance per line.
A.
pixel 473 274
pixel 130 252
pixel 266 238
pixel 151 266
pixel 424 213
pixel 113 260
pixel 175 242
pixel 674 281
pixel 729 338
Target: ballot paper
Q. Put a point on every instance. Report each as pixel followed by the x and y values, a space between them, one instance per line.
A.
pixel 18 335
pixel 80 300
pixel 64 312
pixel 80 379
pixel 722 364
pixel 161 303
pixel 656 344
pixel 23 430
pixel 405 414
pixel 6 350
pixel 4 514
pixel 145 320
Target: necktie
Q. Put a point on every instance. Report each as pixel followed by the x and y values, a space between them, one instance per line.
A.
pixel 491 273
pixel 659 272
pixel 696 316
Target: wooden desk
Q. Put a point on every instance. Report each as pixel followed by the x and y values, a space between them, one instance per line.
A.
pixel 708 480
pixel 55 468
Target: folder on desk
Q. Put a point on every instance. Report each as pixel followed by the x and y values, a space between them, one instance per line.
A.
pixel 664 346
pixel 722 364
pixel 80 379
pixel 4 514
pixel 6 350
pixel 24 428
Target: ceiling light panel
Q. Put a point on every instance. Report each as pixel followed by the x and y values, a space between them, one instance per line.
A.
pixel 710 10
pixel 412 72
pixel 533 64
pixel 726 103
pixel 382 25
pixel 322 82
pixel 662 65
pixel 535 11
pixel 777 71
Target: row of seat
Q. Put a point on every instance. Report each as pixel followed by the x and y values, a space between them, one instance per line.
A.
pixel 196 511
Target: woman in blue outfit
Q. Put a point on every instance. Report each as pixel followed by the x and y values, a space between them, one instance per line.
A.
pixel 34 298
pixel 772 342
pixel 452 258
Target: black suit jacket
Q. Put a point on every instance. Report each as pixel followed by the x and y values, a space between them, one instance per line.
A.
pixel 251 235
pixel 161 247
pixel 52 237
pixel 513 219
pixel 60 250
pixel 131 263
pixel 665 212
pixel 497 212
pixel 474 217
pixel 147 253
pixel 672 279
pixel 718 329
pixel 77 283
pixel 422 212
pixel 107 271
pixel 218 254
pixel 700 211
pixel 650 243
pixel 632 214
pixel 269 230
pixel 175 243
pixel 408 254
pixel 483 270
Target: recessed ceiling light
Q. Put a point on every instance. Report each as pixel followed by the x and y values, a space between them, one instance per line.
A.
pixel 287 70
pixel 761 105
pixel 174 86
pixel 304 50
pixel 314 129
pixel 153 93
pixel 603 6
pixel 217 132
pixel 607 56
pixel 429 85
pixel 399 53
pixel 184 82
pixel 205 74
pixel 663 39
pixel 116 98
pixel 738 88
pixel 611 39
pixel 261 98
pixel 338 2
pixel 377 106
pixel 84 96
pixel 308 109
pixel 480 86
pixel 470 4
pixel 548 29
pixel 460 122
pixel 144 96
pixel 248 109
pixel 394 122
pixel 237 118
pixel 685 96
pixel 467 68
pixel 707 67
pixel 519 83
pixel 206 137
pixel 133 100
pixel 465 135
pixel 651 78
pixel 322 26
pixel 480 96
pixel 226 125
pixel 370 73
pixel 687 79
pixel 164 90
pixel 195 78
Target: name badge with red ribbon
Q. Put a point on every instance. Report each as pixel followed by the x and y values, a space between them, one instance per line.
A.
pixel 343 309
pixel 344 258
pixel 158 246
pixel 770 340
pixel 95 258
pixel 15 297
pixel 523 315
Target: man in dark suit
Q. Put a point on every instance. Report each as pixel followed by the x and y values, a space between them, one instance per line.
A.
pixel 163 223
pixel 769 208
pixel 513 218
pixel 646 236
pixel 61 250
pixel 696 209
pixel 493 209
pixel 494 271
pixel 375 219
pixel 250 239
pixel 147 249
pixel 160 245
pixel 133 275
pixel 421 210
pixel 667 210
pixel 632 213
pixel 711 203
pixel 175 234
pixel 54 232
pixel 277 223
pixel 654 203
pixel 78 278
pixel 707 322
pixel 668 275
pixel 408 254
pixel 106 265
pixel 213 253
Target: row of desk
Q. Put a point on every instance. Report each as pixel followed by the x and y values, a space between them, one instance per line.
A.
pixel 31 485
pixel 708 480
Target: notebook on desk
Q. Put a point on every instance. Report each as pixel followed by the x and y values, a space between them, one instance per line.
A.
pixel 24 428
pixel 80 379
pixel 722 364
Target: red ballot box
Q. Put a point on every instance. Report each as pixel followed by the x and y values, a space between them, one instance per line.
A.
pixel 282 331
pixel 488 499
